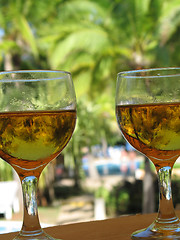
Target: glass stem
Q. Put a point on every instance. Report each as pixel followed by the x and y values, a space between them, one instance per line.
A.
pixel 166 209
pixel 31 224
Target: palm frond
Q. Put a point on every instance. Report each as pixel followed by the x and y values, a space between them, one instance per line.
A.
pixel 27 34
pixel 87 40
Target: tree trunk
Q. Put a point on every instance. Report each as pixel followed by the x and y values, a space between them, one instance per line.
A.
pixel 77 184
pixel 93 173
pixel 148 189
pixel 104 146
pixel 8 63
pixel 50 178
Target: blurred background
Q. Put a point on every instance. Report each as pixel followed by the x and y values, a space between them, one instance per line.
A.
pixel 98 175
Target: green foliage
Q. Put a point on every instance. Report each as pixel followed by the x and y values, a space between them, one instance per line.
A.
pixel 117 201
pixel 125 198
pixel 6 173
pixel 102 192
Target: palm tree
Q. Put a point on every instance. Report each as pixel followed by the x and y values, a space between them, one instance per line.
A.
pixel 17 38
pixel 19 21
pixel 95 40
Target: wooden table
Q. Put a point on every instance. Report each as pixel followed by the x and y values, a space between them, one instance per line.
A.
pixel 111 229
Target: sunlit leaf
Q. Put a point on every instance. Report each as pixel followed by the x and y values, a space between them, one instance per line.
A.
pixel 84 39
pixel 27 34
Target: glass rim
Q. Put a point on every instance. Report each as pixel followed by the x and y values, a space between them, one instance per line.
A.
pixel 129 74
pixel 34 70
pixel 38 71
pixel 38 77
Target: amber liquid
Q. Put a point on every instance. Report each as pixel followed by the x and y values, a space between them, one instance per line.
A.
pixel 152 129
pixel 29 140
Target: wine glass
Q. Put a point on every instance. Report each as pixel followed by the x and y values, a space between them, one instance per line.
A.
pixel 37 120
pixel 148 115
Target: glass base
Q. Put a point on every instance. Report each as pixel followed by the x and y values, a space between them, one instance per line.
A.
pixel 36 235
pixel 169 229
